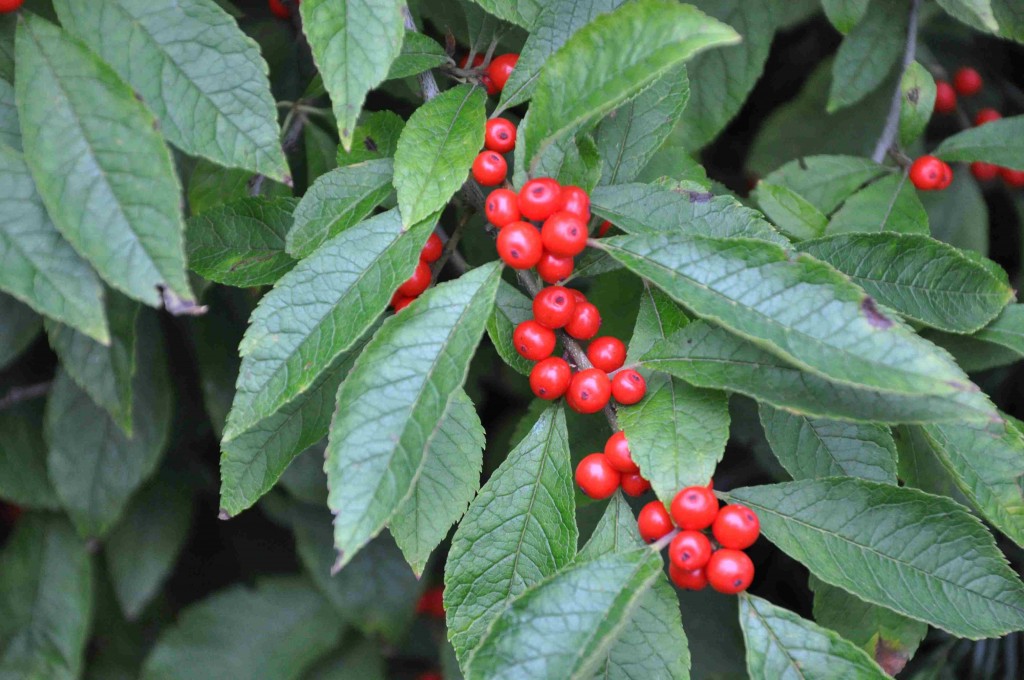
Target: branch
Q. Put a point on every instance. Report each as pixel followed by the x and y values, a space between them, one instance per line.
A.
pixel 892 121
pixel 294 122
pixel 16 395
pixel 427 83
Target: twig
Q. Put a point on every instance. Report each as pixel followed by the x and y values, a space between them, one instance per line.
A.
pixel 449 250
pixel 426 79
pixel 892 121
pixel 660 544
pixel 294 121
pixel 17 395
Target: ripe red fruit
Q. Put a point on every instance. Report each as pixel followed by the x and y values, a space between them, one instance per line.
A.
pixel 278 8
pixel 519 245
pixel 603 229
pixel 500 135
pixel 432 250
pixel 533 341
pixel 689 550
pixel 967 82
pixel 580 297
pixel 564 234
pixel 653 521
pixel 736 526
pixel 947 177
pixel 634 485
pixel 553 306
pixel 607 353
pixel 429 675
pixel 11 5
pixel 539 198
pixel 418 282
pixel 986 116
pixel 628 387
pixel 687 580
pixel 490 168
pixel 478 60
pixel 550 378
pixel 500 69
pixel 553 268
pixel 431 602
pixel 945 97
pixel 576 201
pixel 596 477
pixel 616 449
pixel 694 508
pixel 585 321
pixel 1013 178
pixel 984 172
pixel 589 390
pixel 400 302
pixel 729 571
pixel 926 173
pixel 502 207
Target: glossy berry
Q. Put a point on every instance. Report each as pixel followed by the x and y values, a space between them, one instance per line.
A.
pixel 278 8
pixel 432 250
pixel 553 307
pixel 553 268
pixel 926 173
pixel 628 387
pixel 500 135
pixel 736 526
pixel 653 521
pixel 400 302
pixel 576 202
pixel 490 168
pixel 946 178
pixel 489 85
pixel 729 571
pixel 634 485
pixel 967 82
pixel 616 449
pixel 607 353
pixel 540 198
pixel 418 282
pixel 687 580
pixel 550 378
pixel 500 69
pixel 603 229
pixel 689 550
pixel 945 97
pixel 986 116
pixel 1013 178
pixel 585 321
pixel 578 295
pixel 502 207
pixel 431 602
pixel 596 477
pixel 694 508
pixel 533 341
pixel 984 172
pixel 564 234
pixel 519 245
pixel 589 391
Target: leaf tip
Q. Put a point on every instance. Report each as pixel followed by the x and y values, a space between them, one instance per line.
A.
pixel 224 515
pixel 339 563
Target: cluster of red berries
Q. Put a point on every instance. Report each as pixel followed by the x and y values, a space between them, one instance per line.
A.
pixel 278 8
pixel 497 73
pixel 600 474
pixel 421 276
pixel 694 561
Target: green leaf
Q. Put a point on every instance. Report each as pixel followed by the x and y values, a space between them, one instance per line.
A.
pixel 825 181
pixel 390 407
pixel 10 130
pixel 923 279
pixel 1010 16
pixel 610 60
pixel 317 311
pixel 958 215
pixel 811 448
pixel 564 626
pixel 520 12
pixel 889 204
pixel 511 308
pixel 972 353
pixel 447 483
pixel 923 556
pixel 375 137
pixel 95 467
pixel 707 356
pixel 436 150
pixel 845 14
pixel 792 213
pixel 336 201
pixel 616 532
pixel 919 465
pixel 1007 329
pixel 917 91
pixel 571 160
pixel 868 53
pixel 672 162
pixel 271 632
pixel 1000 142
pixel 419 53
pixel 37 265
pixel 19 326
pixel 196 70
pixel 45 600
pixel 241 243
pixel 103 371
pixel 211 185
pixel 519 529
pixel 781 644
pixel 23 478
pixel 657 318
pixel 353 45
pixel 117 203
pixel 359 661
pixel 975 13
pixel 321 151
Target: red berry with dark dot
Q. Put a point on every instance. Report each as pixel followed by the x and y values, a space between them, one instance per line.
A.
pixel 945 97
pixel 634 485
pixel 628 387
pixel 736 526
pixel 596 477
pixel 553 268
pixel 585 321
pixel 533 341
pixel 729 571
pixel 418 282
pixel 576 201
pixel 553 307
pixel 653 521
pixel 689 550
pixel 550 378
pixel 564 234
pixel 927 173
pixel 501 68
pixel 432 250
pixel 502 207
pixel 967 82
pixel 607 353
pixel 687 580
pixel 540 198
pixel 500 135
pixel 986 116
pixel 589 391
pixel 616 449
pixel 695 507
pixel 490 168
pixel 519 245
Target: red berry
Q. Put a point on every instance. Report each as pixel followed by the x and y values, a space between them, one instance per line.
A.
pixel 585 321
pixel 653 521
pixel 418 282
pixel 519 245
pixel 589 391
pixel 628 387
pixel 596 477
pixel 502 207
pixel 533 341
pixel 477 60
pixel 553 307
pixel 634 485
pixel 984 172
pixel 278 8
pixel 429 675
pixel 500 69
pixel 500 135
pixel 616 449
pixel 945 97
pixel 687 580
pixel 400 302
pixel 603 229
pixel 431 602
pixel 539 198
pixel 432 250
pixel 689 550
pixel 607 353
pixel 564 234
pixel 729 571
pixel 946 178
pixel 967 82
pixel 553 268
pixel 550 378
pixel 580 297
pixel 986 116
pixel 489 85
pixel 1013 178
pixel 926 173
pixel 576 202
pixel 736 527
pixel 694 508
pixel 490 168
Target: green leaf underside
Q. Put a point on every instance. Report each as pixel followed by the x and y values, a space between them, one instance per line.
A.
pixel 1000 142
pixel 1007 329
pixel 844 14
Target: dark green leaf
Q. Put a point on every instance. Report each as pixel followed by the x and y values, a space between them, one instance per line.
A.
pixel 419 53
pixel 570 160
pixel 375 137
pixel 919 465
pixel 889 204
pixel 844 14
pixel 361 661
pixel 958 215
pixel 321 151
pixel 211 185
pixel 511 308
pixel 825 181
pixel 917 103
pixel 657 318
pixel 1010 16
pixel 868 53
pixel 1000 142
pixel 10 131
pixel 1007 329
pixel 23 477
pixel 975 13
pixel 792 213
pixel 521 12
pixel 19 326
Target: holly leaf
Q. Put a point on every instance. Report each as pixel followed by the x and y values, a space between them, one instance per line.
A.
pixel 1007 329
pixel 1000 142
